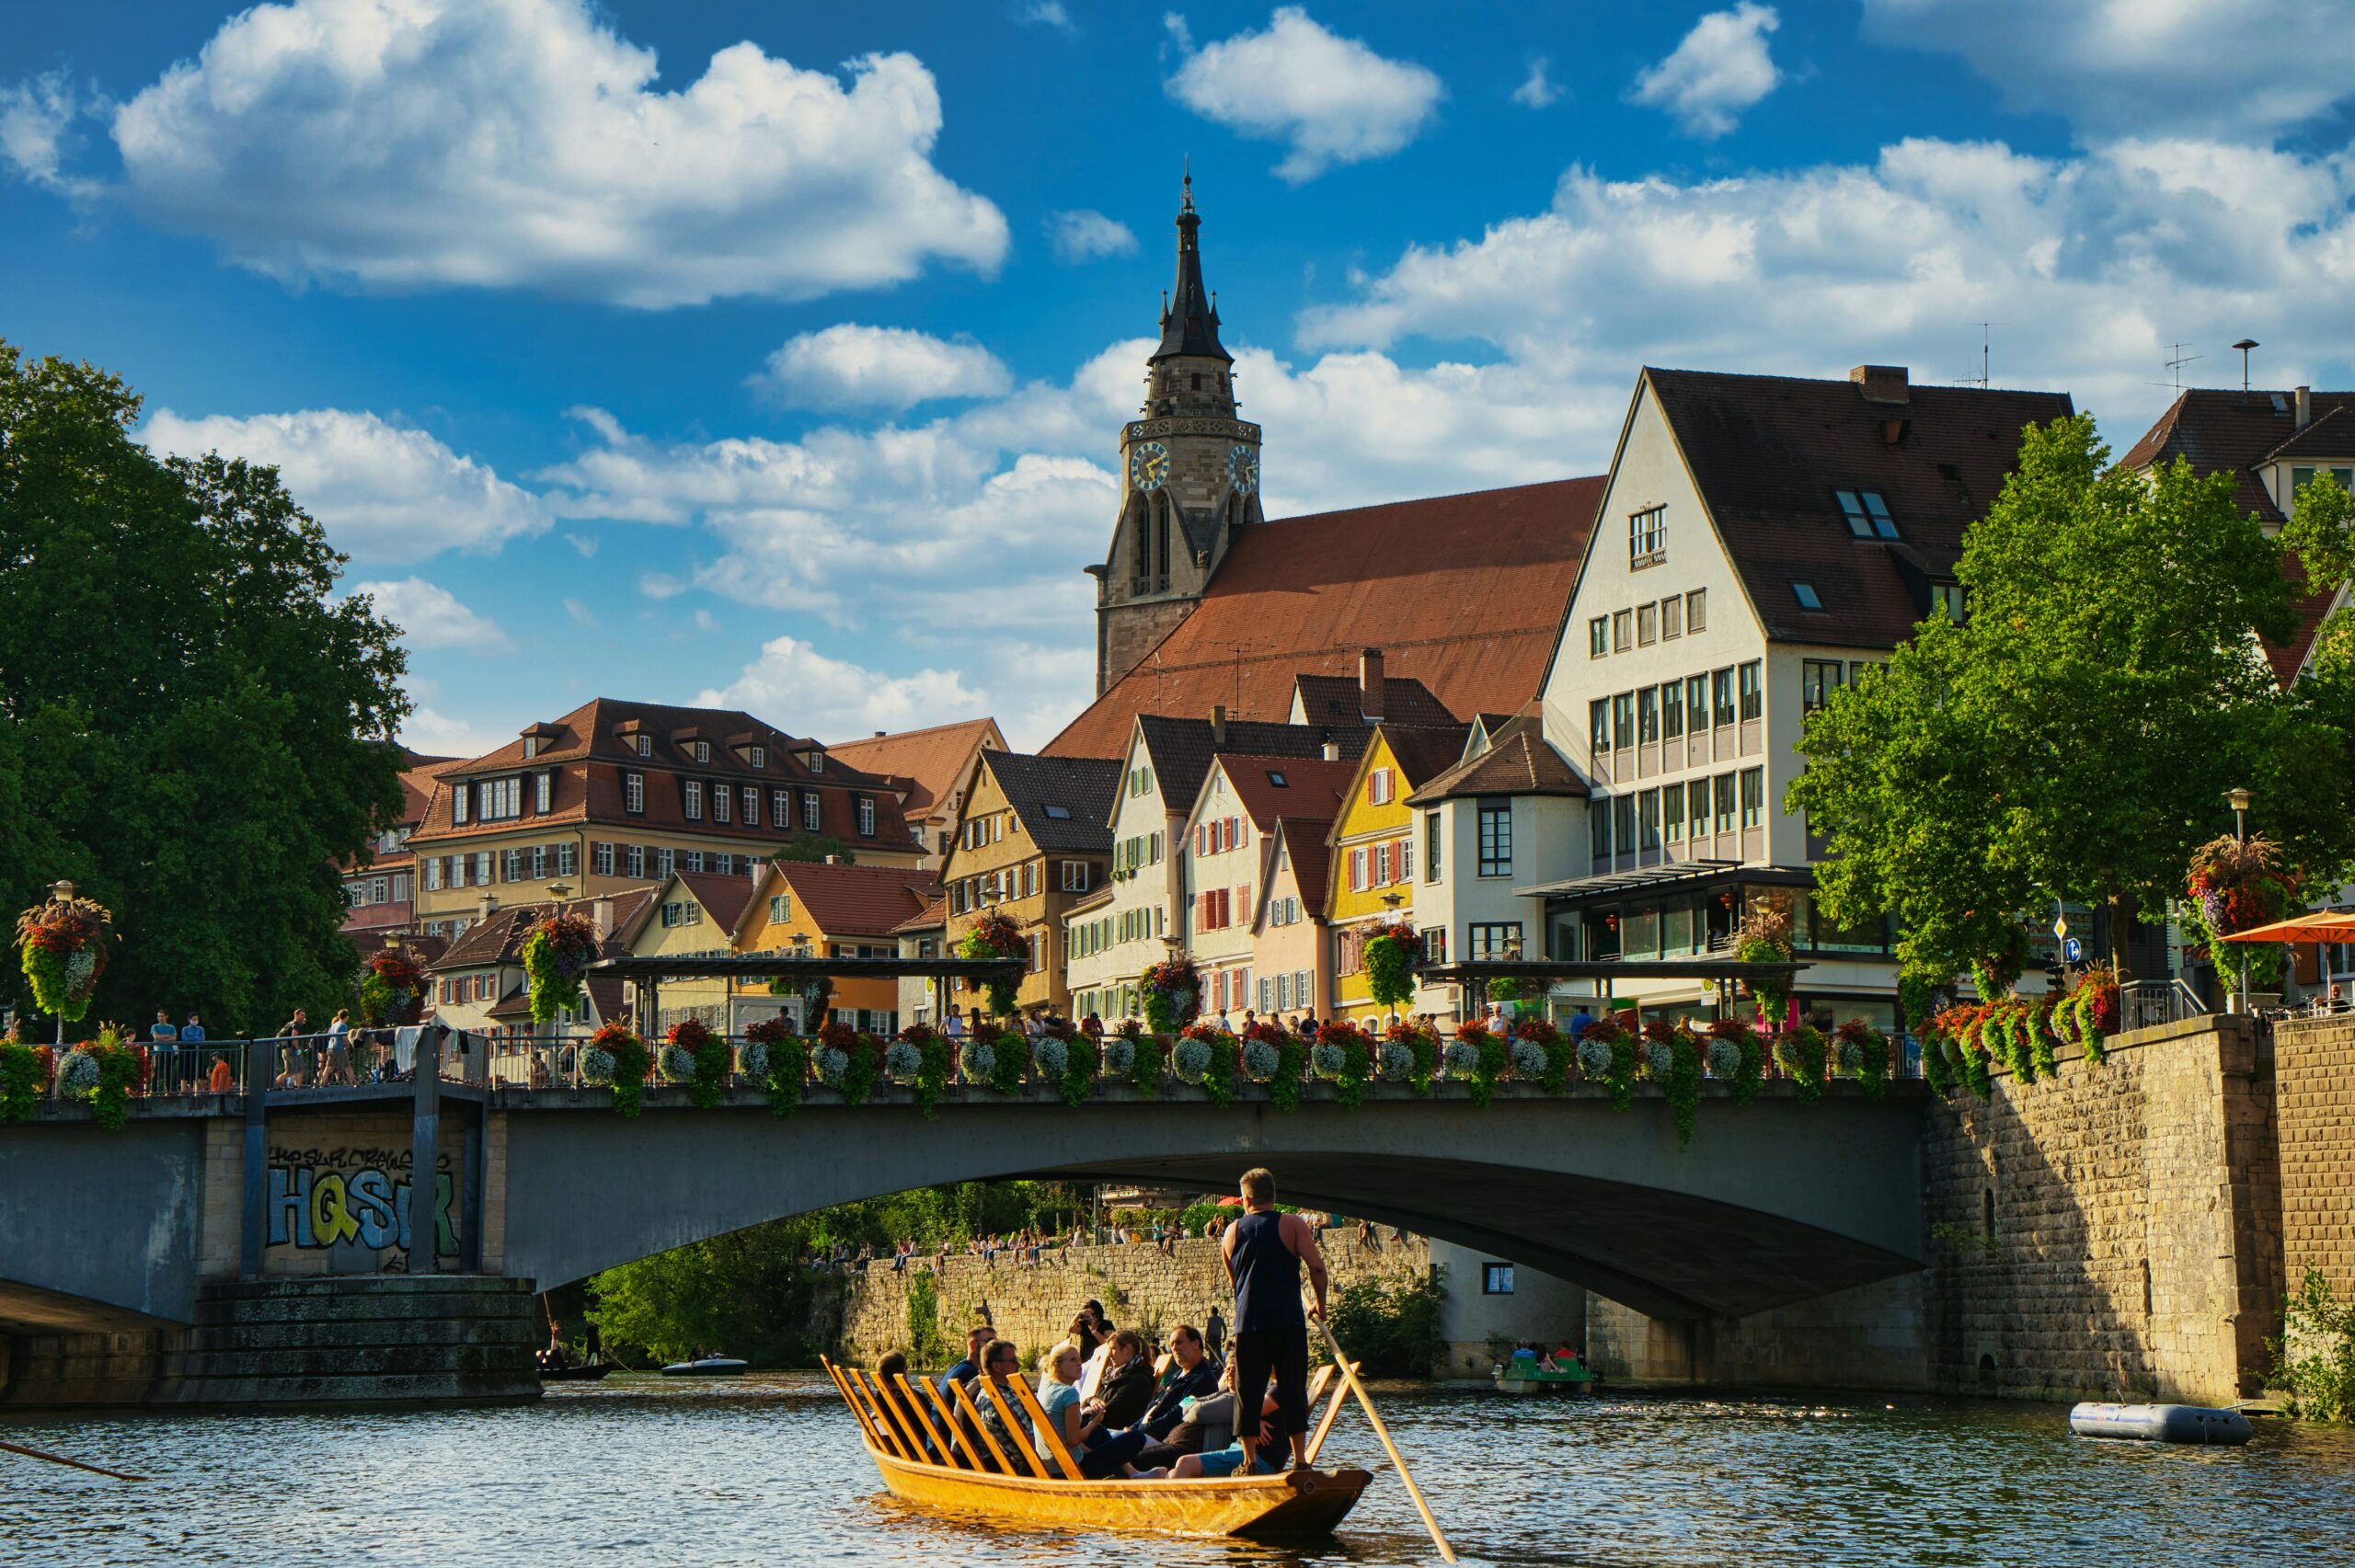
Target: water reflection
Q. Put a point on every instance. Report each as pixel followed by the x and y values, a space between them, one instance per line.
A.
pixel 767 1471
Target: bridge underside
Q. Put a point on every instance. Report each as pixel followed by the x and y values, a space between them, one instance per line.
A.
pixel 1666 1254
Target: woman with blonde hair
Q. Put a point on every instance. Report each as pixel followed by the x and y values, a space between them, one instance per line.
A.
pixel 1059 1396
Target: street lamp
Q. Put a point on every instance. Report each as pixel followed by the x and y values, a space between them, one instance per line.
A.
pixel 2239 798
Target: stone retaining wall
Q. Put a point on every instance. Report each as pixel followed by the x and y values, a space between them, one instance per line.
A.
pixel 2314 1074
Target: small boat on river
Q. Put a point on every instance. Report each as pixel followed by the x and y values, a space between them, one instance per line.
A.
pixel 706 1366
pixel 1023 1489
pixel 2160 1422
pixel 580 1372
pixel 1529 1374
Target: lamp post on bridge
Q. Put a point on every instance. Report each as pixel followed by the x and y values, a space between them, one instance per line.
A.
pixel 2239 798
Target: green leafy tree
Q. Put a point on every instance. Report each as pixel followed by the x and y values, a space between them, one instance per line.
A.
pixel 2074 737
pixel 191 727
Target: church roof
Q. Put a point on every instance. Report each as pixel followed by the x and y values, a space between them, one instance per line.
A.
pixel 1463 593
pixel 1189 323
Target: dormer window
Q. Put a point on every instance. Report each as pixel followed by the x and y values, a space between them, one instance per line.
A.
pixel 702 751
pixel 758 756
pixel 817 761
pixel 1866 514
pixel 1946 597
pixel 531 747
pixel 645 745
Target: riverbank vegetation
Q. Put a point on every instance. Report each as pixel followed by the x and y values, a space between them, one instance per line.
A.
pixel 2315 1357
pixel 1393 1330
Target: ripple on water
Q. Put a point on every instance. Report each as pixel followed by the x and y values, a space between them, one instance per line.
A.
pixel 767 1471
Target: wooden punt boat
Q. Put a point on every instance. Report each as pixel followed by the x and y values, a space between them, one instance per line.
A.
pixel 1024 1490
pixel 587 1372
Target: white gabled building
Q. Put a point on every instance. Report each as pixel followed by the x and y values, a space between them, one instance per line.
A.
pixel 1759 539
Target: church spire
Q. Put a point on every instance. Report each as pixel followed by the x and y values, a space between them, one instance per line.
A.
pixel 1190 319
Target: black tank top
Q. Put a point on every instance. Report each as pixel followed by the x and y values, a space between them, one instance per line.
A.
pixel 1267 1276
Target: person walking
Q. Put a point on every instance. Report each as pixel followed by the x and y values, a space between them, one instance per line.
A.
pixel 337 1069
pixel 1264 1252
pixel 163 1055
pixel 1214 1335
pixel 293 1064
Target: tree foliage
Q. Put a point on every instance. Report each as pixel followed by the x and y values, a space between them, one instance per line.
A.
pixel 192 729
pixel 2074 737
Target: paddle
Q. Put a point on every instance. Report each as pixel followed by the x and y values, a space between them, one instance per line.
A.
pixel 1348 1376
pixel 72 1464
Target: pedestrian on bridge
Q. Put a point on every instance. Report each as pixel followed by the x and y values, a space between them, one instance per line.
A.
pixel 1264 1252
pixel 163 1056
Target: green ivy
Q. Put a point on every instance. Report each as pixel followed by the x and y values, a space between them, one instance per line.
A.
pixel 1620 1077
pixel 1802 1053
pixel 20 1080
pixel 1873 1076
pixel 1218 1077
pixel 1424 1074
pixel 862 1069
pixel 1560 1056
pixel 1683 1087
pixel 1389 977
pixel 631 1061
pixel 713 1057
pixel 1495 1059
pixel 1148 1065
pixel 2040 1043
pixel 1935 1072
pixel 1081 1061
pixel 1751 1074
pixel 1009 1060
pixel 789 1074
pixel 932 1072
pixel 1357 1072
pixel 1975 1073
pixel 2089 1032
pixel 1291 1068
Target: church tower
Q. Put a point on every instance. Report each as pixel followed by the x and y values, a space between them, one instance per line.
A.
pixel 1190 475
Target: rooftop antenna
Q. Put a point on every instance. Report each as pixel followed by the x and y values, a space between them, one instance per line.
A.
pixel 2245 345
pixel 2181 360
pixel 1982 380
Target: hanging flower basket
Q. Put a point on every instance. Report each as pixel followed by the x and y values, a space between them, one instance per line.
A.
pixel 62 945
pixel 557 952
pixel 392 993
pixel 1171 994
pixel 1391 950
pixel 995 935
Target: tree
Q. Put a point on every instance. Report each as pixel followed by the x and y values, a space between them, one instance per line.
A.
pixel 2074 737
pixel 192 729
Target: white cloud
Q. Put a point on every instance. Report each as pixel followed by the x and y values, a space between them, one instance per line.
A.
pixel 847 366
pixel 1720 69
pixel 438 734
pixel 1332 99
pixel 383 491
pixel 431 618
pixel 1083 235
pixel 1047 14
pixel 812 694
pixel 581 614
pixel 1537 90
pixel 2238 68
pixel 519 143
pixel 584 542
pixel 36 128
pixel 2091 264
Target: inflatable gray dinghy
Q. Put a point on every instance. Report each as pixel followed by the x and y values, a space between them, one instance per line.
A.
pixel 2160 1422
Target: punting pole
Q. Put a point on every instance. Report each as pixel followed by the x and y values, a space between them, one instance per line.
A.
pixel 72 1464
pixel 1446 1553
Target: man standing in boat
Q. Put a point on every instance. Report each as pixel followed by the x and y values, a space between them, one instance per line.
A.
pixel 1264 1251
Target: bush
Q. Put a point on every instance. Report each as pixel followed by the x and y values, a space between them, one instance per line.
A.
pixel 2315 1357
pixel 1395 1331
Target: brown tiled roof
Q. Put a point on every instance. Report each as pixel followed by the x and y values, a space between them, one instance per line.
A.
pixel 1341 699
pixel 1768 451
pixel 1518 761
pixel 1082 787
pixel 1304 841
pixel 500 939
pixel 1312 789
pixel 423 945
pixel 929 760
pixel 859 900
pixel 1087 903
pixel 722 897
pixel 934 917
pixel 2218 429
pixel 1424 754
pixel 1461 592
pixel 609 996
pixel 1181 748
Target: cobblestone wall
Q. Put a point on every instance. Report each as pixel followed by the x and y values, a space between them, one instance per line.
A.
pixel 1140 1287
pixel 2114 1231
pixel 2315 1072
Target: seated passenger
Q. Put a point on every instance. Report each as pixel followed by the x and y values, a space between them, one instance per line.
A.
pixel 1196 1377
pixel 888 1371
pixel 1059 1396
pixel 1001 1364
pixel 1196 1420
pixel 1219 1464
pixel 1125 1389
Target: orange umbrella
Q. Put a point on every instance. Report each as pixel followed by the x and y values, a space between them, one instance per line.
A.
pixel 2317 925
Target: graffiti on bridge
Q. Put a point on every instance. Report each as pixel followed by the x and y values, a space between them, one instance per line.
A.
pixel 354 1198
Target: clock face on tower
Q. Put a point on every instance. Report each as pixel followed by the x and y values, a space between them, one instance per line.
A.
pixel 1243 467
pixel 1149 465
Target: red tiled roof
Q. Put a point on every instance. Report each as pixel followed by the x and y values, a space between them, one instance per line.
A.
pixel 1341 699
pixel 723 898
pixel 1181 750
pixel 1305 842
pixel 1519 761
pixel 2232 432
pixel 932 917
pixel 861 900
pixel 931 762
pixel 1312 789
pixel 1767 452
pixel 500 939
pixel 1463 593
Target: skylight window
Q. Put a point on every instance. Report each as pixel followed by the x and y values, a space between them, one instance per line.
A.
pixel 1277 779
pixel 1866 514
pixel 1059 813
pixel 1806 597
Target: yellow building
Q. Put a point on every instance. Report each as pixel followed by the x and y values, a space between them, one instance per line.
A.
pixel 695 915
pixel 1371 877
pixel 1035 838
pixel 824 910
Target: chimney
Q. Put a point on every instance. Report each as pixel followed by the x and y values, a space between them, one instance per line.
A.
pixel 1370 684
pixel 833 860
pixel 487 904
pixel 2306 407
pixel 1332 750
pixel 1218 724
pixel 878 735
pixel 601 915
pixel 1882 383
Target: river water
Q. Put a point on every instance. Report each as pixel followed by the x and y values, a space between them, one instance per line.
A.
pixel 768 1470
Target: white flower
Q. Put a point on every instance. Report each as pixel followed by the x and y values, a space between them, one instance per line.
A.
pixel 1191 1059
pixel 1659 1058
pixel 1594 1057
pixel 677 1063
pixel 1396 1061
pixel 752 1058
pixel 1852 1057
pixel 903 1061
pixel 1260 1061
pixel 80 1074
pixel 596 1065
pixel 1462 1059
pixel 979 1058
pixel 81 972
pixel 1724 1058
pixel 1119 1053
pixel 1328 1062
pixel 1050 1056
pixel 1529 1060
pixel 832 1063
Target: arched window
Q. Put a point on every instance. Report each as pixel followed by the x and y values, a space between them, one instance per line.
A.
pixel 1141 517
pixel 1234 510
pixel 1161 539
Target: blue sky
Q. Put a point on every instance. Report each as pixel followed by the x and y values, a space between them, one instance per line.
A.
pixel 776 354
